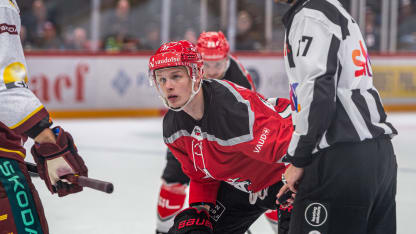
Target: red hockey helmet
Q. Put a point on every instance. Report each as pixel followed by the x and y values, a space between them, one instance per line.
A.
pixel 180 53
pixel 173 54
pixel 213 46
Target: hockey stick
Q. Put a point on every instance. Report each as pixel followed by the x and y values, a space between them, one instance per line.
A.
pixel 283 200
pixel 82 181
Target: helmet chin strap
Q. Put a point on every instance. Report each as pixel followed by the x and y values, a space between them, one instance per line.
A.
pixel 194 92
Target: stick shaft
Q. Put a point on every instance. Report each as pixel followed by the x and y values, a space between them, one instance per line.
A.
pixel 83 181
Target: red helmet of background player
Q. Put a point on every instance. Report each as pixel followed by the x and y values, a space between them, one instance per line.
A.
pixel 173 54
pixel 213 46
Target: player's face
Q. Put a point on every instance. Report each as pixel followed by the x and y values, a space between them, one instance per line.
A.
pixel 215 69
pixel 175 85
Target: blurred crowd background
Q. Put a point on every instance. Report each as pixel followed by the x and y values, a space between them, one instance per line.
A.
pixel 389 26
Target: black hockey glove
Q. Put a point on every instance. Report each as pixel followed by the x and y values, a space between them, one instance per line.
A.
pixel 283 219
pixel 191 221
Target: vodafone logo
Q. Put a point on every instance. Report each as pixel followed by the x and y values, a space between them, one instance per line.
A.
pixel 7 28
pixel 166 60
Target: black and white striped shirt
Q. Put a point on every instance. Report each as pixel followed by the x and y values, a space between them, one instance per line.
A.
pixel 331 80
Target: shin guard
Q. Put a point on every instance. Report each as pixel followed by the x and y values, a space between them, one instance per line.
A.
pixel 171 202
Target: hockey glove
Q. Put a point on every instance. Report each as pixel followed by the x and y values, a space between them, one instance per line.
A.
pixel 191 221
pixel 284 219
pixel 54 161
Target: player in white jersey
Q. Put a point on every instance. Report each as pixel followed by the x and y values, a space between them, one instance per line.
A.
pixel 344 170
pixel 22 115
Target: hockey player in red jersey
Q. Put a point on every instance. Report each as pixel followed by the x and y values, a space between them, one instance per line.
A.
pixel 22 116
pixel 218 64
pixel 228 139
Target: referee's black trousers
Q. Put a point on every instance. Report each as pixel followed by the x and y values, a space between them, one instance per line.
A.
pixel 349 188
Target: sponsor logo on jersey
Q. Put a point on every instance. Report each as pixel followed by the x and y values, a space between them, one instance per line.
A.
pixel 20 196
pixel 262 140
pixel 364 65
pixel 316 214
pixel 294 97
pixel 8 28
pixel 15 76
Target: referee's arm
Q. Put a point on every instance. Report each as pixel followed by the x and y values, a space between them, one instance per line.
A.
pixel 315 48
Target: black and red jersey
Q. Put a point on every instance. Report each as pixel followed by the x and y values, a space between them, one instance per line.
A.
pixel 236 73
pixel 240 139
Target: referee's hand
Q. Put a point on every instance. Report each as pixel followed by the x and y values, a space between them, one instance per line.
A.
pixel 292 177
pixel 286 197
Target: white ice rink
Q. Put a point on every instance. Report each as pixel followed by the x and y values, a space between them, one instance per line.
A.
pixel 130 153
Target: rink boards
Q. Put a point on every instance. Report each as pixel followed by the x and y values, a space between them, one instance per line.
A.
pixel 114 85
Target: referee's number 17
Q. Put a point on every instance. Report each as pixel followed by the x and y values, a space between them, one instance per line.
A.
pixel 307 41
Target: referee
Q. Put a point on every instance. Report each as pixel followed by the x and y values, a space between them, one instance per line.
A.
pixel 343 168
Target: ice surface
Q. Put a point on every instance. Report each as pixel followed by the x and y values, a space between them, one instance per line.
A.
pixel 130 153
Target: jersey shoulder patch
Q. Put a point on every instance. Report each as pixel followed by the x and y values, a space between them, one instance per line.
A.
pixel 15 75
pixel 10 4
